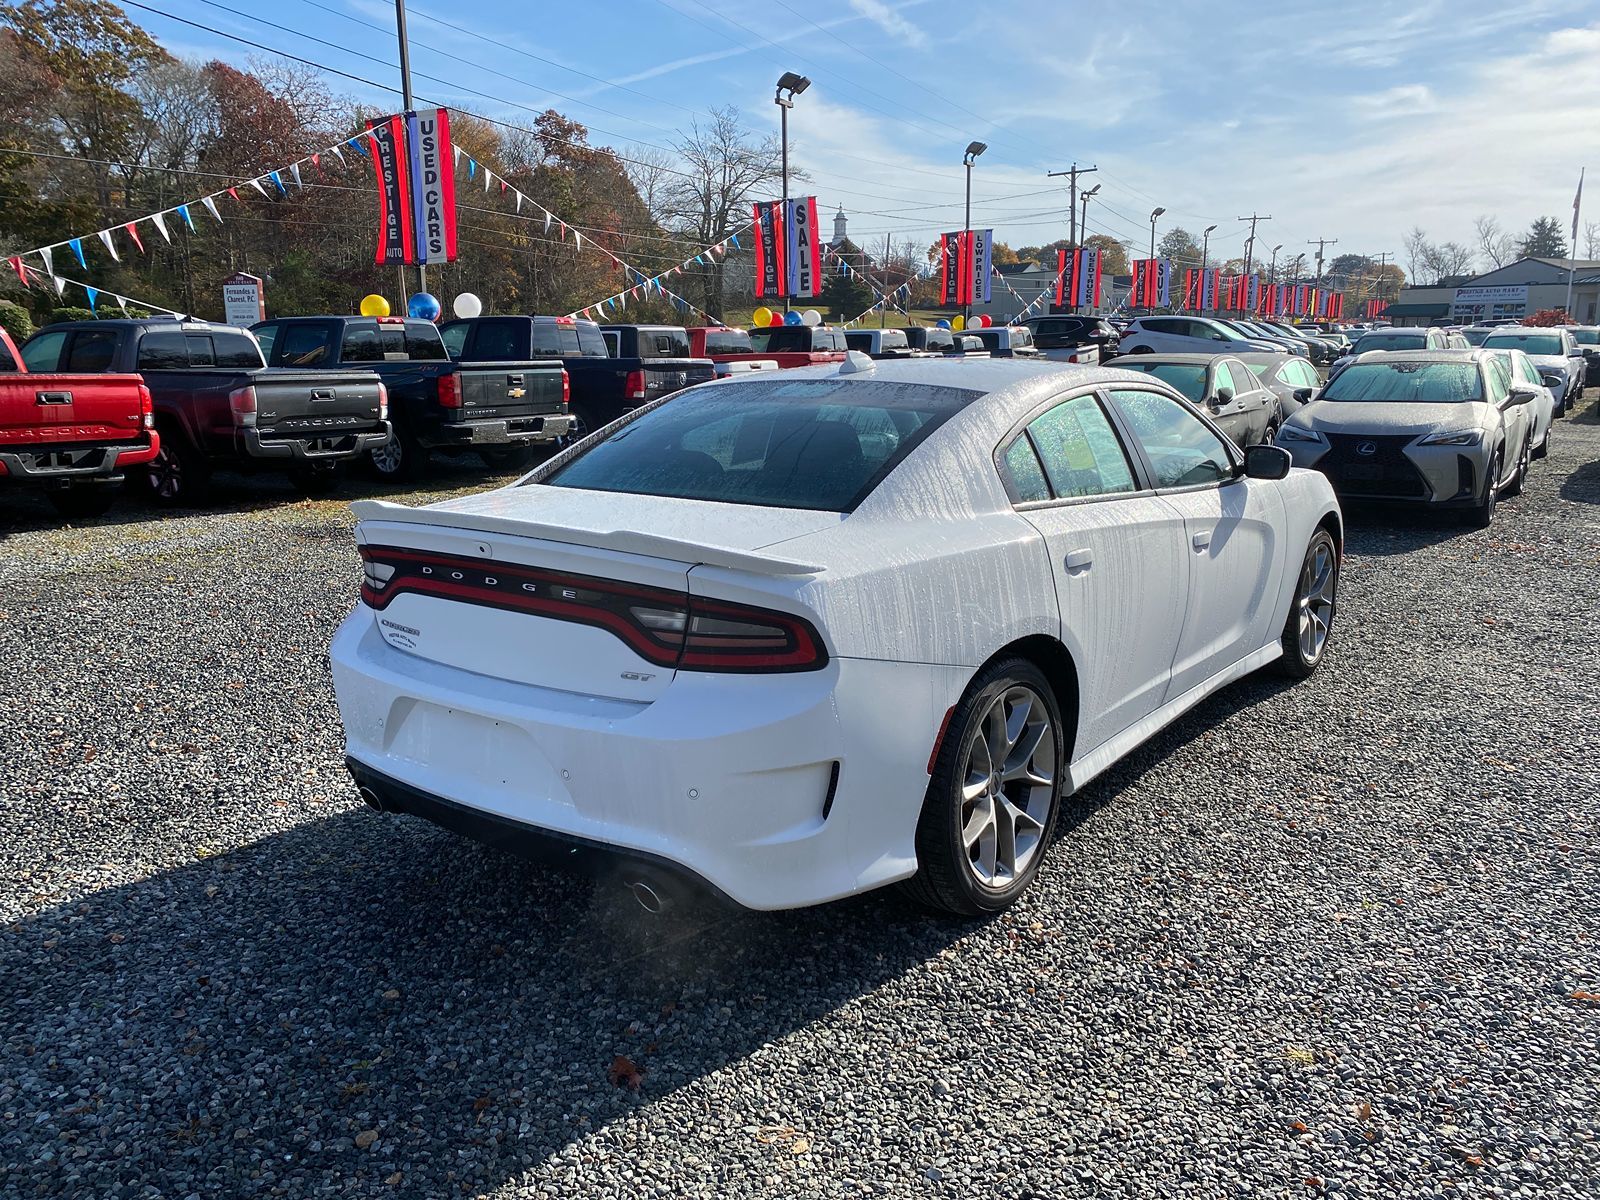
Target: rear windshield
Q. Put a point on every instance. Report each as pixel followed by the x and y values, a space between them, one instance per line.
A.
pixel 727 341
pixel 568 341
pixel 787 340
pixel 820 444
pixel 1475 337
pixel 1528 343
pixel 1188 378
pixel 663 343
pixel 1407 383
pixel 1391 341
pixel 382 341
pixel 1586 337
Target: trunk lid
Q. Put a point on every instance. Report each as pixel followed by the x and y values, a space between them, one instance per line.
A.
pixel 509 389
pixel 663 376
pixel 556 587
pixel 64 409
pixel 292 403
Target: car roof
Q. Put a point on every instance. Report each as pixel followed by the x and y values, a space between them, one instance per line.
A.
pixel 1475 354
pixel 1180 358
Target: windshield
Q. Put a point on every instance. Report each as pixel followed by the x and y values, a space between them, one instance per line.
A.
pixel 727 341
pixel 1391 341
pixel 1188 378
pixel 1406 383
pixel 820 444
pixel 1528 343
pixel 1586 337
pixel 1475 337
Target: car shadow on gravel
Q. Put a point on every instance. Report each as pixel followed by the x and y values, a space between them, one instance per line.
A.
pixel 1381 530
pixel 1583 485
pixel 363 1003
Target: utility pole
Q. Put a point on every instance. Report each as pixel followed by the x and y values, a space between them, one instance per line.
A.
pixel 1250 242
pixel 1320 243
pixel 883 313
pixel 402 160
pixel 1072 209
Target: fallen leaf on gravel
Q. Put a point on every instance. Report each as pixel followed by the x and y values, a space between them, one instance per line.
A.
pixel 1363 1111
pixel 392 994
pixel 623 1073
pixel 365 1138
pixel 394 1179
pixel 1586 997
pixel 118 938
pixel 481 1103
pixel 1313 1182
pixel 800 1146
pixel 1300 1127
pixel 1299 1054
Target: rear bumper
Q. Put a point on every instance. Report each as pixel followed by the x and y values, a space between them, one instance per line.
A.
pixel 729 779
pixel 513 431
pixel 331 447
pixel 104 463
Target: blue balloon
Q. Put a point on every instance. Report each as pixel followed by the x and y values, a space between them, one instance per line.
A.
pixel 792 317
pixel 424 306
pixel 941 323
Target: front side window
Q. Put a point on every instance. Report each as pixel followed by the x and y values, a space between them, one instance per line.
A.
pixel 1182 450
pixel 42 354
pixel 1080 451
pixel 819 444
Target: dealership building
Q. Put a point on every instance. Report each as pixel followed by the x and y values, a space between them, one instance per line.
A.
pixel 1514 291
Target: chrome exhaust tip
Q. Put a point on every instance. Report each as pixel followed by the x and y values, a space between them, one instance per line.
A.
pixel 370 798
pixel 651 900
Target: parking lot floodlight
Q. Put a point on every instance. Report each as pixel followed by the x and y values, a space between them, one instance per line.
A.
pixel 793 83
pixel 973 150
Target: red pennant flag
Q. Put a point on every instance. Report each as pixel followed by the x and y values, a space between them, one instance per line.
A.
pixel 133 231
pixel 16 265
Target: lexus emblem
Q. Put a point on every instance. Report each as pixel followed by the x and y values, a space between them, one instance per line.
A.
pixel 1367 449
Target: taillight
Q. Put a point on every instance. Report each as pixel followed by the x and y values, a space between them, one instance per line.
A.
pixel 243 403
pixel 633 386
pixel 450 390
pixel 147 408
pixel 383 402
pixel 663 627
pixel 566 387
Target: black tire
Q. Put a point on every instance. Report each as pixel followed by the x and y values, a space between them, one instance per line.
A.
pixel 316 481
pixel 947 878
pixel 1270 437
pixel 1481 514
pixel 510 458
pixel 1543 448
pixel 1300 661
pixel 81 502
pixel 178 475
pixel 401 459
pixel 1520 477
pixel 584 422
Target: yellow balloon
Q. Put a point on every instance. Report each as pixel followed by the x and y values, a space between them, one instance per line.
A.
pixel 958 323
pixel 762 317
pixel 374 306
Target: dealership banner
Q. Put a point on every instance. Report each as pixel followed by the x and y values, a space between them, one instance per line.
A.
pixel 771 242
pixel 954 269
pixel 396 222
pixel 433 185
pixel 1201 289
pixel 1078 278
pixel 805 252
pixel 982 265
pixel 1151 282
pixel 788 250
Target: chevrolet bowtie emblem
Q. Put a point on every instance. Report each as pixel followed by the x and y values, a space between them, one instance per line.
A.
pixel 516 393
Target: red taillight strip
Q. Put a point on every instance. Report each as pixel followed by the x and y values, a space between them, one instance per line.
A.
pixel 805 651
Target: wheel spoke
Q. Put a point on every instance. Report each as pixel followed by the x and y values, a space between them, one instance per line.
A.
pixel 1020 764
pixel 979 822
pixel 1005 865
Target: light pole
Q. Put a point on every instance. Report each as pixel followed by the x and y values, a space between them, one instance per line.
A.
pixel 1272 270
pixel 1083 223
pixel 1153 217
pixel 405 101
pixel 1205 254
pixel 793 84
pixel 971 156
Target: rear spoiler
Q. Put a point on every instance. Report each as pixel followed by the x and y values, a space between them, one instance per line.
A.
pixel 625 541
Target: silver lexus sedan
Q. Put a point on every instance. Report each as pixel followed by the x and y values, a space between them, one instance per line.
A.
pixel 1446 428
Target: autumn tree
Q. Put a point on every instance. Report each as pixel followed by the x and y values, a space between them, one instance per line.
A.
pixel 1113 254
pixel 1180 246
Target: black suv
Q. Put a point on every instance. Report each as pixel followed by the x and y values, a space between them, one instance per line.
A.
pixel 1059 331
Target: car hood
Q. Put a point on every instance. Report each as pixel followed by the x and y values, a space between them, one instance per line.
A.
pixel 1341 416
pixel 1549 362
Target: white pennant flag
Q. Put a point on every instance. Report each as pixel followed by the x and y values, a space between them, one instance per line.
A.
pixel 111 247
pixel 457 150
pixel 338 152
pixel 161 224
pixel 547 220
pixel 256 183
pixel 487 175
pixel 577 239
pixel 211 207
pixel 122 303
pixel 61 284
pixel 519 201
pixel 49 261
pixel 294 173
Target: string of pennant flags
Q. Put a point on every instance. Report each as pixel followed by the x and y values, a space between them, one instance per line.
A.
pixel 92 293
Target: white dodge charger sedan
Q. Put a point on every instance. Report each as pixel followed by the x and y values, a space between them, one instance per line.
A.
pixel 798 635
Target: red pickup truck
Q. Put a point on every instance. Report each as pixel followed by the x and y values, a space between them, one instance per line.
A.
pixel 787 345
pixel 72 435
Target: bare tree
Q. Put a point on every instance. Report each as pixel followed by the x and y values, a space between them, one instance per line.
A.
pixel 1496 245
pixel 1591 238
pixel 1417 248
pixel 723 167
pixel 1449 258
pixel 654 175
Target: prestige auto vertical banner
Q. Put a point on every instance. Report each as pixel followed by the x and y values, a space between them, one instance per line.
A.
pixel 433 186
pixel 768 257
pixel 395 217
pixel 805 254
pixel 950 270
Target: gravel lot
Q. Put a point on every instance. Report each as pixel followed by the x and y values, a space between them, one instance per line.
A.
pixel 1339 939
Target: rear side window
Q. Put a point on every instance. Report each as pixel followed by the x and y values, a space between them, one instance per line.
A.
pixel 663 343
pixel 1026 475
pixel 454 338
pixel 91 351
pixel 163 350
pixel 1243 381
pixel 1080 451
pixel 592 343
pixel 238 351
pixel 820 444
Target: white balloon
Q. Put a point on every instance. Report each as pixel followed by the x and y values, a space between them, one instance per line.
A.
pixel 467 305
pixel 811 317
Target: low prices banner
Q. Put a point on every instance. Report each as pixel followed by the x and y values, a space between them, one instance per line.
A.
pixel 1151 283
pixel 1078 278
pixel 966 266
pixel 415 165
pixel 788 250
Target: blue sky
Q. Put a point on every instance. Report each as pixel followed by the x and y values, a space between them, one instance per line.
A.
pixel 1354 121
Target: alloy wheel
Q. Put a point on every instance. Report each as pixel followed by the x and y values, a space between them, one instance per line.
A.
pixel 165 473
pixel 1008 787
pixel 1319 579
pixel 387 458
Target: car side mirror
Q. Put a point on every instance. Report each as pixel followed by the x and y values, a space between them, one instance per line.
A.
pixel 1575 352
pixel 1267 462
pixel 1520 394
pixel 1304 394
pixel 1224 395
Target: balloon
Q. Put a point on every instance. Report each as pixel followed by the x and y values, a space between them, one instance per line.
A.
pixel 811 317
pixel 793 318
pixel 762 317
pixel 424 306
pixel 374 306
pixel 941 323
pixel 983 321
pixel 958 324
pixel 467 306
pixel 777 318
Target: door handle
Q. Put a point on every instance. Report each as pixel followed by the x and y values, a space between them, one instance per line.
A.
pixel 1202 541
pixel 1079 561
pixel 323 393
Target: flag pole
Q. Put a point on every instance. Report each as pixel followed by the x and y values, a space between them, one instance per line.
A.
pixel 1572 250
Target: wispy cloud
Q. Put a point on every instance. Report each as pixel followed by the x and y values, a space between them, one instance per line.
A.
pixel 890 21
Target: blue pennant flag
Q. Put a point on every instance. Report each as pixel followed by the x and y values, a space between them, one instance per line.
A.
pixel 183 211
pixel 734 238
pixel 94 294
pixel 700 260
pixel 277 179
pixel 77 250
pixel 359 144
pixel 472 167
